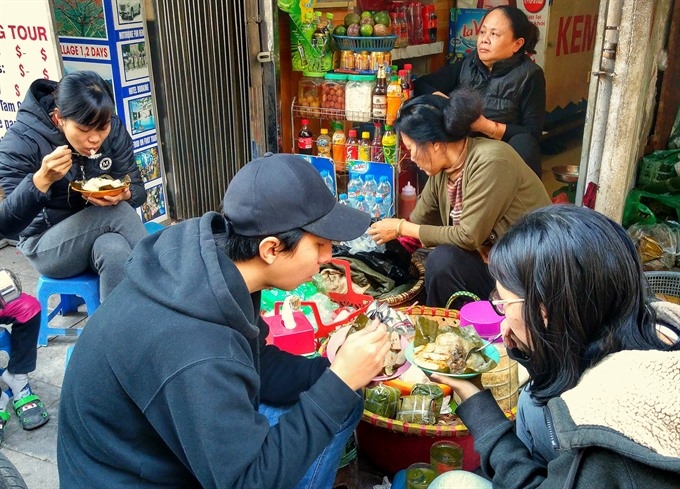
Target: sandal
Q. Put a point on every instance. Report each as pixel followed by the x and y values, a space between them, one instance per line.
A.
pixel 4 417
pixel 31 412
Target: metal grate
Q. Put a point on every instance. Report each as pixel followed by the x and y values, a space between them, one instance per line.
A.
pixel 200 75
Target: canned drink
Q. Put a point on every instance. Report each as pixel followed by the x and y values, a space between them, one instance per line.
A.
pixel 362 61
pixel 377 59
pixel 347 60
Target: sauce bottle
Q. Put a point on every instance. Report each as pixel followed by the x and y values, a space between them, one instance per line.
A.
pixel 407 201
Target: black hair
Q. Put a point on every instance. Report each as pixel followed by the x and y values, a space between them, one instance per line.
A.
pixel 85 98
pixel 241 248
pixel 521 27
pixel 433 118
pixel 584 270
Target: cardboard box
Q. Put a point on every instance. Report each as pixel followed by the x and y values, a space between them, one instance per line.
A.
pixel 564 51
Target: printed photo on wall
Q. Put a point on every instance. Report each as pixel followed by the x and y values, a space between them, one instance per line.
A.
pixel 80 19
pixel 133 61
pixel 149 166
pixel 139 114
pixel 103 70
pixel 155 203
pixel 128 13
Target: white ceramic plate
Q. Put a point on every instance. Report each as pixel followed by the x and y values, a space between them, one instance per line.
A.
pixel 489 350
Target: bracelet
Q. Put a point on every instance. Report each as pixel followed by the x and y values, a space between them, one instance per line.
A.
pixel 401 221
pixel 493 134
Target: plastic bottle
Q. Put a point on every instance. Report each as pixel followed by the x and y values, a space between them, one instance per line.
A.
pixel 319 38
pixel 328 180
pixel 323 144
pixel 389 143
pixel 432 27
pixel 343 199
pixel 376 144
pixel 352 146
pixel 369 189
pixel 379 96
pixel 407 201
pixel 405 85
pixel 377 209
pixel 361 204
pixel 338 140
pixel 307 26
pixel 305 141
pixel 354 188
pixel 394 99
pixel 365 146
pixel 384 191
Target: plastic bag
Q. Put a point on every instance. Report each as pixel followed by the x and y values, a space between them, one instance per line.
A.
pixel 674 139
pixel 656 245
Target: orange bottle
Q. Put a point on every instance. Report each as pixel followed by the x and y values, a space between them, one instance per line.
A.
pixel 338 145
pixel 394 99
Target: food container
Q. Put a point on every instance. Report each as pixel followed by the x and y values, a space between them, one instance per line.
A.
pixel 503 381
pixel 333 94
pixel 347 60
pixel 566 174
pixel 358 94
pixel 482 317
pixel 309 94
pixel 362 61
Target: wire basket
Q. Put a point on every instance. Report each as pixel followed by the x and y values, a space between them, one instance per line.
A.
pixel 665 283
pixel 372 44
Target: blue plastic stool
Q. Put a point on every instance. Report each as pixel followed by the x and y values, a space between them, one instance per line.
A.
pixel 152 227
pixel 73 292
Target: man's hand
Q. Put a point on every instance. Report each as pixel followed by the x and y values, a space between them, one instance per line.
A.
pixel 109 200
pixel 361 357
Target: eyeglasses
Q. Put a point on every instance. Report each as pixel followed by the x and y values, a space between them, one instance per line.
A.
pixel 498 304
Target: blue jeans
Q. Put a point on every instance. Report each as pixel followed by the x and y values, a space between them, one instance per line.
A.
pixel 532 428
pixel 321 474
pixel 96 238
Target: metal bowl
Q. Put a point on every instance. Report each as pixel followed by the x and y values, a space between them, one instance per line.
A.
pixel 566 174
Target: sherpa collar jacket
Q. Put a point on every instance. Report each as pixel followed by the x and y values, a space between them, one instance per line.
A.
pixel 619 427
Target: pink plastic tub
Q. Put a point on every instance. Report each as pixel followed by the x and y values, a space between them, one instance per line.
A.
pixel 481 315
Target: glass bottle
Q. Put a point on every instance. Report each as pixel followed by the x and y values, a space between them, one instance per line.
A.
pixel 323 144
pixel 365 146
pixel 352 146
pixel 305 142
pixel 376 144
pixel 379 96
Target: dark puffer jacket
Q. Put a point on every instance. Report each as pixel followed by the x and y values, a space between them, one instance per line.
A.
pixel 513 91
pixel 26 210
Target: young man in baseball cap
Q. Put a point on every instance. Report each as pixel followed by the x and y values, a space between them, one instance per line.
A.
pixel 168 383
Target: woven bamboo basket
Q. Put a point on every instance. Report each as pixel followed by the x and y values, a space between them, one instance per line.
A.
pixel 392 445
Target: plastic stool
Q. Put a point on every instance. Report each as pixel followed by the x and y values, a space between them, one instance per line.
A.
pixel 73 292
pixel 152 227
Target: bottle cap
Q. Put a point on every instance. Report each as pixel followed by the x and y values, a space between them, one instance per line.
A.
pixel 304 122
pixel 324 131
pixel 388 127
pixel 408 189
pixel 365 135
pixel 408 66
pixel 324 173
pixel 383 178
pixel 352 133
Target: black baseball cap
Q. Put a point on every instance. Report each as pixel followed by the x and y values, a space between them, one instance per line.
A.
pixel 280 192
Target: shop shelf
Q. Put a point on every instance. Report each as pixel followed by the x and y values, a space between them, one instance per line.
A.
pixel 303 111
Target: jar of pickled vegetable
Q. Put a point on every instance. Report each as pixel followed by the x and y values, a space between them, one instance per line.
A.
pixel 309 94
pixel 333 94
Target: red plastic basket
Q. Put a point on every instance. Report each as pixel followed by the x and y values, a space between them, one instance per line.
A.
pixel 349 299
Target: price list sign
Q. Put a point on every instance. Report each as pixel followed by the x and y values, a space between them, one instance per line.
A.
pixel 28 51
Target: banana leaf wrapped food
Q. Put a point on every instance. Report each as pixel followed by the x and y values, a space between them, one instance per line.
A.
pixel 382 400
pixel 432 390
pixel 396 357
pixel 417 409
pixel 447 352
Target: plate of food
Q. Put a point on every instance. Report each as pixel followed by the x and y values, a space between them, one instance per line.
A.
pixel 395 361
pixel 101 186
pixel 447 358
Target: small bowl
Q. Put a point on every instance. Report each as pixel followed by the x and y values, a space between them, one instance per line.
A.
pixel 566 174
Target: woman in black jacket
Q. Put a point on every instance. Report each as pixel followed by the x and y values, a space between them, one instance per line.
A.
pixel 511 84
pixel 65 132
